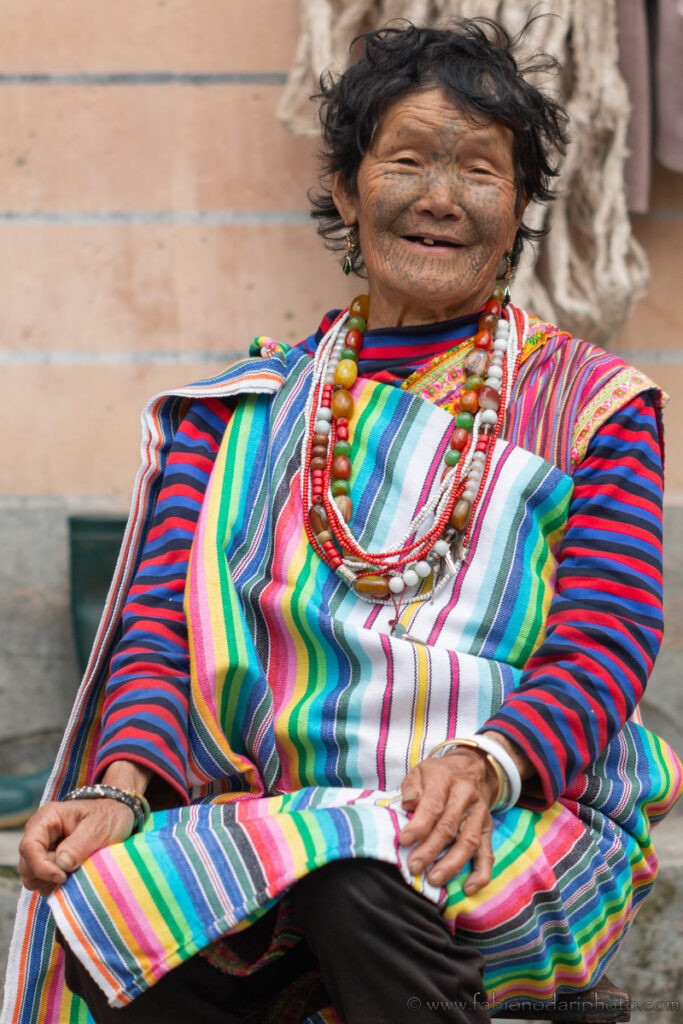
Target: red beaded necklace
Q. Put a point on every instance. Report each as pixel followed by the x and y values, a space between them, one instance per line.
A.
pixel 327 456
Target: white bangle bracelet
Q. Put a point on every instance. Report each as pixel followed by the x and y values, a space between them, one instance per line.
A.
pixel 495 750
pixel 509 767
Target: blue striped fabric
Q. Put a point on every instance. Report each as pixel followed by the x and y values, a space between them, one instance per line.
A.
pixel 605 623
pixel 145 716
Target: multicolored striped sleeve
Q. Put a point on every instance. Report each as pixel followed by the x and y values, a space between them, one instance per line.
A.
pixel 605 622
pixel 146 703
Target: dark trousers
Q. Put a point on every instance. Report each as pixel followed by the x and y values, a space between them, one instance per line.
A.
pixel 384 953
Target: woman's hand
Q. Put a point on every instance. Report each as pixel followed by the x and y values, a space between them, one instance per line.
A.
pixel 450 797
pixel 61 835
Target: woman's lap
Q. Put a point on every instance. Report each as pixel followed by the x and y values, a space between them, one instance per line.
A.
pixel 557 905
pixel 384 951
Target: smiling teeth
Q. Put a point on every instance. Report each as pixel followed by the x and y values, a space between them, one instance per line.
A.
pixel 428 241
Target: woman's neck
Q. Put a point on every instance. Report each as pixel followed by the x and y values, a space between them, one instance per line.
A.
pixel 388 311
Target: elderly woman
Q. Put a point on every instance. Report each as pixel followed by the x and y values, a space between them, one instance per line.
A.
pixel 384 611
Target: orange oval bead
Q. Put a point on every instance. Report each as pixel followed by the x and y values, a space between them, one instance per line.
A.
pixel 493 306
pixel 354 340
pixel 460 516
pixel 342 404
pixel 321 439
pixel 373 586
pixel 483 339
pixel 346 373
pixel 319 451
pixel 317 518
pixel 459 438
pixel 469 401
pixel 488 322
pixel 345 506
pixel 341 467
pixel 318 463
pixel 360 306
pixel 498 293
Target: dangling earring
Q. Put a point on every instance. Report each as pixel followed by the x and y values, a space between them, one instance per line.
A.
pixel 349 250
pixel 509 274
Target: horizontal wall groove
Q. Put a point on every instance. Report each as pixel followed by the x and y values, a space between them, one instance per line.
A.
pixel 666 213
pixel 637 356
pixel 42 357
pixel 149 78
pixel 172 217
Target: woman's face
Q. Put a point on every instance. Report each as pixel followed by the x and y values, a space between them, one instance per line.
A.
pixel 435 208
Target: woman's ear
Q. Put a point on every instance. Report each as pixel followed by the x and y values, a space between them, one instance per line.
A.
pixel 344 201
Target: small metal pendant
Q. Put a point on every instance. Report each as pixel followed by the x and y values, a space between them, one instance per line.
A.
pixel 436 576
pixel 401 633
pixel 452 565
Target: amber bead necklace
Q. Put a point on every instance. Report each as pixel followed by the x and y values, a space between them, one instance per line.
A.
pixel 384 576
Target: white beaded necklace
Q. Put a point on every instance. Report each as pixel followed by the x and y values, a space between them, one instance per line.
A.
pixel 500 375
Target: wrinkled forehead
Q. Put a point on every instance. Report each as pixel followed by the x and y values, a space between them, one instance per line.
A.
pixel 430 114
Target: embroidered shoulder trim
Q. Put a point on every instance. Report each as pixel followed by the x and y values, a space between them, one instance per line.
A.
pixel 441 380
pixel 440 375
pixel 614 395
pixel 540 333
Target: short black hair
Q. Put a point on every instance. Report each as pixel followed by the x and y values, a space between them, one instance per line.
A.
pixel 474 64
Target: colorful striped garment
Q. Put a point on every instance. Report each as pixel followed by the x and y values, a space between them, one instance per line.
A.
pixel 304 713
pixel 146 708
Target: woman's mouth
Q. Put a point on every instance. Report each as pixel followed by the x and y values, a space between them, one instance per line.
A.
pixel 434 243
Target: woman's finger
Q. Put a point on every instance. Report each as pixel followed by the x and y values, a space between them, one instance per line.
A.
pixel 411 789
pixel 482 865
pixel 432 800
pixel 443 830
pixel 469 845
pixel 33 882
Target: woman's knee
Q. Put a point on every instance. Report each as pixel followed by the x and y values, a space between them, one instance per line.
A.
pixel 346 888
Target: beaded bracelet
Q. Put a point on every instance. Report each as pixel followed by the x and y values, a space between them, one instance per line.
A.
pixel 505 768
pixel 136 801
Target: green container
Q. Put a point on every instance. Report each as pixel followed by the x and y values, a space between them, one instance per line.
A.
pixel 94 543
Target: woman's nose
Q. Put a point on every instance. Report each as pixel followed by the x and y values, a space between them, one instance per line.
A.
pixel 441 197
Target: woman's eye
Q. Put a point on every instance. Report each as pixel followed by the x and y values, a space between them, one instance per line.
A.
pixel 407 161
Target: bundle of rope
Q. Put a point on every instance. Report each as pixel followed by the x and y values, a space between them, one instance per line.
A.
pixel 589 270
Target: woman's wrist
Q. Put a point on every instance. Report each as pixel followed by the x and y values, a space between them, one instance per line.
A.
pixel 492 778
pixel 127 775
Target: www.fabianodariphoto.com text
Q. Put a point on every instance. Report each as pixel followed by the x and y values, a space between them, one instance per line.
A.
pixel 568 1005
